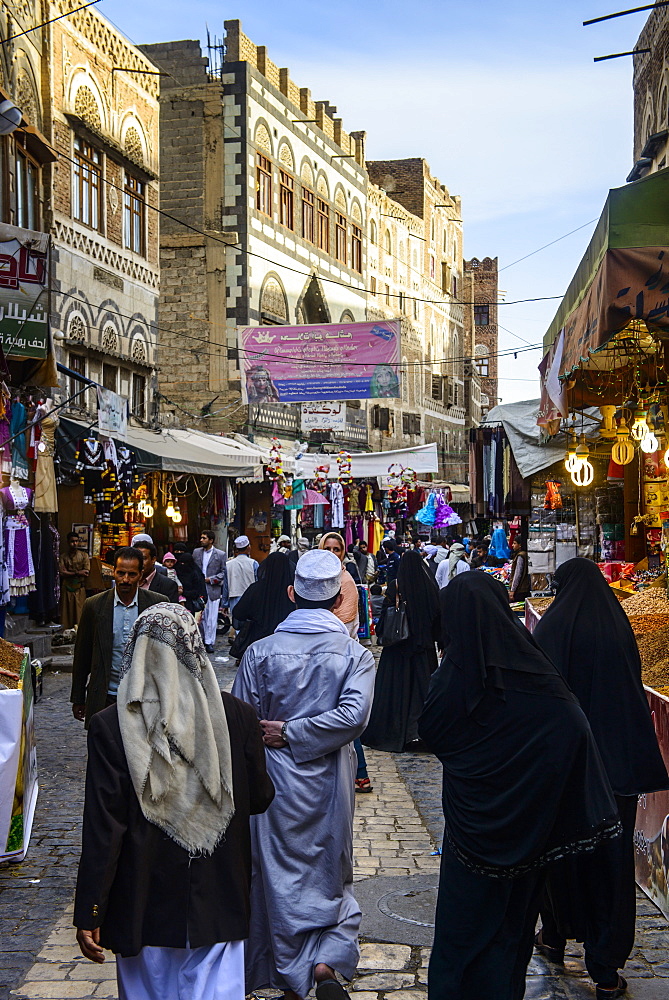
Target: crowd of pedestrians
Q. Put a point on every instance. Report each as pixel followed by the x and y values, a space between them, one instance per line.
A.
pixel 218 847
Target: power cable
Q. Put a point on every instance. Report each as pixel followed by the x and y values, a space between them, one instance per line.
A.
pixel 50 21
pixel 546 245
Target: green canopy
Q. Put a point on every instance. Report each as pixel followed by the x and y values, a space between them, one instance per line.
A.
pixel 623 275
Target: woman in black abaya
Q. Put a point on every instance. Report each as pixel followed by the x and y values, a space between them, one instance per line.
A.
pixel 265 604
pixel 403 677
pixel 592 898
pixel 524 785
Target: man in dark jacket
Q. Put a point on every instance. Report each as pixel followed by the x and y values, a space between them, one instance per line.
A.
pixel 159 583
pixel 165 866
pixel 104 627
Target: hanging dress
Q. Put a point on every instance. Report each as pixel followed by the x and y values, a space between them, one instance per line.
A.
pixel 18 555
pixel 46 497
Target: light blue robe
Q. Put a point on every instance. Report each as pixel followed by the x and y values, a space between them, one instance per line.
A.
pixel 302 906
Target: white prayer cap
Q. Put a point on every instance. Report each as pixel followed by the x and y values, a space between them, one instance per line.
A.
pixel 242 542
pixel 141 537
pixel 318 575
pixel 282 538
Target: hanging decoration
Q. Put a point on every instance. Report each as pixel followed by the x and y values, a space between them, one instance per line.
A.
pixel 608 430
pixel 275 464
pixel 571 461
pixel 649 443
pixel 344 466
pixel 321 478
pixel 640 425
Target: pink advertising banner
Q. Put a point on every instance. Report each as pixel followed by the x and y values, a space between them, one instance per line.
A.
pixel 295 364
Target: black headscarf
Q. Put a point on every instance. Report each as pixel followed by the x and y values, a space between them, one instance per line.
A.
pixel 266 603
pixel 419 590
pixel 190 576
pixel 588 637
pixel 523 781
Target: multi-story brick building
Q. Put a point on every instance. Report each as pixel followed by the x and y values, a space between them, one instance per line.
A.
pixel 102 119
pixel 651 96
pixel 481 329
pixel 415 270
pixel 280 190
pixel 24 152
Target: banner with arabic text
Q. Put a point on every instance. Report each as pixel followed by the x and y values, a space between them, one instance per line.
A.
pixel 295 364
pixel 24 314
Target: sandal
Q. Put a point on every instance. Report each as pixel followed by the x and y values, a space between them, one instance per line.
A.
pixel 363 785
pixel 330 989
pixel 617 991
pixel 555 955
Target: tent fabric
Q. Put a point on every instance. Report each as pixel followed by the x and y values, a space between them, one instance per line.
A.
pixel 423 458
pixel 519 421
pixel 623 274
pixel 170 450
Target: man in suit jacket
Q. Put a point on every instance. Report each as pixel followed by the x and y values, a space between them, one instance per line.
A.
pixel 104 627
pixel 212 563
pixel 151 578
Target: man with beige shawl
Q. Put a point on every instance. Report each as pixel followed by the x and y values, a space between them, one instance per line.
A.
pixel 175 769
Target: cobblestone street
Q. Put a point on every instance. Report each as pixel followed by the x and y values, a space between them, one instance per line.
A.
pixel 396 829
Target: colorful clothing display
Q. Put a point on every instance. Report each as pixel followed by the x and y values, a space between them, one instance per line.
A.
pixel 16 500
pixel 46 497
pixel 16 426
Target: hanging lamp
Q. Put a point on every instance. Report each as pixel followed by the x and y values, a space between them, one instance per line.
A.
pixel 622 452
pixel 649 443
pixel 640 425
pixel 584 473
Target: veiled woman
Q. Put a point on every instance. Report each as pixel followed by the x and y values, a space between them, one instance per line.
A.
pixel 592 898
pixel 265 604
pixel 348 611
pixel 405 668
pixel 523 785
pixel 175 769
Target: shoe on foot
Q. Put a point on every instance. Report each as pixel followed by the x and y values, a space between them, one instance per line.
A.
pixel 330 989
pixel 617 991
pixel 363 785
pixel 210 648
pixel 555 955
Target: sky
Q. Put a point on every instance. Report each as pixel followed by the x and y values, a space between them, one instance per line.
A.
pixel 502 99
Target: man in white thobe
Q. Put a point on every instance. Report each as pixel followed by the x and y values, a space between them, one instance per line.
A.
pixel 242 572
pixel 311 686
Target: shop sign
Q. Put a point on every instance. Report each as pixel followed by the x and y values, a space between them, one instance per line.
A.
pixel 651 836
pixel 18 767
pixel 24 316
pixel 295 364
pixel 324 416
pixel 112 414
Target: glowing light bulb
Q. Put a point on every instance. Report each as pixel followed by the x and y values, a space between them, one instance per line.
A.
pixel 177 518
pixel 584 475
pixel 169 510
pixel 148 510
pixel 649 443
pixel 640 425
pixel 622 452
pixel 141 506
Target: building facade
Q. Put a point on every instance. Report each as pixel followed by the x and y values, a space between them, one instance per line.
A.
pixel 651 96
pixel 481 329
pixel 102 119
pixel 280 189
pixel 415 271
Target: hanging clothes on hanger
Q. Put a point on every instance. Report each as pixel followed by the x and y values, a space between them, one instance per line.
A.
pixel 17 428
pixel 16 500
pixel 337 505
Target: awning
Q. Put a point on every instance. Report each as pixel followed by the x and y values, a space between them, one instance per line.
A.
pixel 366 465
pixel 519 421
pixel 624 273
pixel 173 450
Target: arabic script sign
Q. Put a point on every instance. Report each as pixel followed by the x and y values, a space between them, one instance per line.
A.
pixel 24 317
pixel 294 364
pixel 324 416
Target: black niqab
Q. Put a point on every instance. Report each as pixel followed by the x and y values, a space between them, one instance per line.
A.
pixel 266 603
pixel 523 780
pixel 190 576
pixel 587 635
pixel 418 588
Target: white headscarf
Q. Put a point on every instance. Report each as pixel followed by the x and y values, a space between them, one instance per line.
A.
pixel 456 553
pixel 174 729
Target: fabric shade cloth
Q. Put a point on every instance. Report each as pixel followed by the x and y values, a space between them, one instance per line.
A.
pixel 313 497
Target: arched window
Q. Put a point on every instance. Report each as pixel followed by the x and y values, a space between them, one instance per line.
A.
pixel 372 232
pixel 388 242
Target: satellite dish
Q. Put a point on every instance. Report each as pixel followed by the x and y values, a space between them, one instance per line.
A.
pixel 10 117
